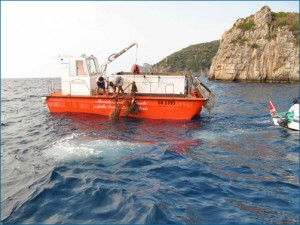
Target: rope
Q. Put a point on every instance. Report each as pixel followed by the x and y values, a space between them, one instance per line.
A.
pixel 136 52
pixel 128 86
pixel 129 94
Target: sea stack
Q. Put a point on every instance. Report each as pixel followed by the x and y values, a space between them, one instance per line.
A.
pixel 260 48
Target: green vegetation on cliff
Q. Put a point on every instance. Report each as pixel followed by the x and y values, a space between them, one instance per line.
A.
pixel 196 58
pixel 279 20
pixel 247 25
pixel 287 19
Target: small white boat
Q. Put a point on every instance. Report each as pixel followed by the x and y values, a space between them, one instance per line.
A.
pixel 284 120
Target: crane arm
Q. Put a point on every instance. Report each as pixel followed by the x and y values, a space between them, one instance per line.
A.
pixel 115 56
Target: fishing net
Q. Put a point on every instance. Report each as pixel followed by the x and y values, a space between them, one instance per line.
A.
pixel 210 102
pixel 131 107
pixel 115 112
pixel 127 109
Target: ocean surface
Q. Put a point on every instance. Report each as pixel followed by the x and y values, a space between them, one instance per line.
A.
pixel 232 167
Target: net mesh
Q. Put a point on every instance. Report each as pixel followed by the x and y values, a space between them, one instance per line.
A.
pixel 210 102
pixel 115 112
pixel 131 107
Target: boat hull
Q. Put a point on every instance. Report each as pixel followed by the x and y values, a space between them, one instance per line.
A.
pixel 152 107
pixel 291 124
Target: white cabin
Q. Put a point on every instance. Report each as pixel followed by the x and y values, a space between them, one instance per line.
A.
pixel 79 75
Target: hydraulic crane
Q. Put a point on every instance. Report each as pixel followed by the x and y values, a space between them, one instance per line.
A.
pixel 115 56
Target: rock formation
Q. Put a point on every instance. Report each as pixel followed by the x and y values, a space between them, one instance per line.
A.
pixel 260 48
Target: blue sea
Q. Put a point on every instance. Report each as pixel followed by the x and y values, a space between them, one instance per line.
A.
pixel 231 167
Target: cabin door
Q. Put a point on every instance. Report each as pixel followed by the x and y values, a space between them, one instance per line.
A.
pixel 79 67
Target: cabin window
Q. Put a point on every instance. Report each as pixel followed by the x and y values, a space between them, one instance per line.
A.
pixel 97 65
pixel 72 67
pixel 92 66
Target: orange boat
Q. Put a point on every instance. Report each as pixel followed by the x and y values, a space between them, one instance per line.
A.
pixel 159 96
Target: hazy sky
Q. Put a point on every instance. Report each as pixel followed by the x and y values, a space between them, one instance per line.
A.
pixel 34 33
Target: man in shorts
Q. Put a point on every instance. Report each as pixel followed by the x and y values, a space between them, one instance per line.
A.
pixel 117 83
pixel 100 85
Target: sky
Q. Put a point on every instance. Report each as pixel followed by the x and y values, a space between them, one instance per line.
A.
pixel 35 33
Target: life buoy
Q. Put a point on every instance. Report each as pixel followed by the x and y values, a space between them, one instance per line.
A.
pixel 136 69
pixel 195 94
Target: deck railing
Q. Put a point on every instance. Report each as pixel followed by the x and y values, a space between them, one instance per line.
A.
pixel 53 86
pixel 77 81
pixel 151 88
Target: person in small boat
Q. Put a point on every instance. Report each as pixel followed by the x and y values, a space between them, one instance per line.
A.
pixel 294 108
pixel 100 85
pixel 117 83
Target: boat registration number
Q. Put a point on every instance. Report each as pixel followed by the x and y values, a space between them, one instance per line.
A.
pixel 166 102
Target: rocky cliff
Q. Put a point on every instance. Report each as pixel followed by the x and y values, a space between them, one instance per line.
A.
pixel 261 48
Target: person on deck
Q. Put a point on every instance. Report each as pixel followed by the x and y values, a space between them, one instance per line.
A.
pixel 117 83
pixel 100 85
pixel 294 108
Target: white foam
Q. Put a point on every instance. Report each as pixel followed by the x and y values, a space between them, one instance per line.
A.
pixel 219 135
pixel 294 157
pixel 268 121
pixel 78 147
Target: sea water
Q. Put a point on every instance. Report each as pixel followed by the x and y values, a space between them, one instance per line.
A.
pixel 233 166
